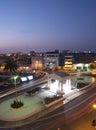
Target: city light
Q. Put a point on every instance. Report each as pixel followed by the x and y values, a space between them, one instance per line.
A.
pixel 30 77
pixel 94 106
pixel 23 79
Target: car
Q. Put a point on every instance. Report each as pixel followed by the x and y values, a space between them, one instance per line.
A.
pixel 94 123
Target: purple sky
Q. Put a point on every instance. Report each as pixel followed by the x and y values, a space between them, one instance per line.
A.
pixel 46 25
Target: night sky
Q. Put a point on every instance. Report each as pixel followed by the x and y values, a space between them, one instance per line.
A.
pixel 47 25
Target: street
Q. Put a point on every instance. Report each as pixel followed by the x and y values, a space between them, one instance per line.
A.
pixel 65 115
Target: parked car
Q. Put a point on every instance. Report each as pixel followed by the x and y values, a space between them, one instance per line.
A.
pixel 94 123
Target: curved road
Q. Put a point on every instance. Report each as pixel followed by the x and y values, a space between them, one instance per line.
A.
pixel 62 117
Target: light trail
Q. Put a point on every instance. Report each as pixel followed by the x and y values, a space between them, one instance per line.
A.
pixel 86 109
pixel 73 107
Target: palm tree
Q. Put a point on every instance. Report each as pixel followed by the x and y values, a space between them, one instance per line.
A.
pixel 11 66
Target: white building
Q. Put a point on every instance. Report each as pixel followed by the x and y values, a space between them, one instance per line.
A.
pixel 51 60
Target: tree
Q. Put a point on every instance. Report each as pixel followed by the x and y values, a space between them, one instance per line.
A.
pixel 92 66
pixel 11 66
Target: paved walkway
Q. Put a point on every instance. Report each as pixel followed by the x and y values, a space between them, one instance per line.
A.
pixel 32 104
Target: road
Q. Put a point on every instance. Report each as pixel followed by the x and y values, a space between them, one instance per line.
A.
pixel 28 85
pixel 62 117
pixel 24 86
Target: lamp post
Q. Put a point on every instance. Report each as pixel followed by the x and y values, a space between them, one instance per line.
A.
pixel 15 79
pixel 94 121
pixel 16 103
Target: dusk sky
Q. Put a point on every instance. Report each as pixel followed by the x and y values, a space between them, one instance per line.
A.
pixel 47 25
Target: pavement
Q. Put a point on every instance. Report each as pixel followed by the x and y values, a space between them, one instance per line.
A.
pixel 32 105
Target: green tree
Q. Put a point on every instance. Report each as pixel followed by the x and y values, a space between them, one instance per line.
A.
pixel 92 66
pixel 11 66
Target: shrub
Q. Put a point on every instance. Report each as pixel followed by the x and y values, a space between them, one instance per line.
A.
pixel 17 104
pixel 51 99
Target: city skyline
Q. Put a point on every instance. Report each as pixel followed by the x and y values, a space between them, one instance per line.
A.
pixel 41 25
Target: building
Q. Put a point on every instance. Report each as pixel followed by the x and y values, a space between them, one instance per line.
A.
pixel 37 61
pixel 51 60
pixel 68 63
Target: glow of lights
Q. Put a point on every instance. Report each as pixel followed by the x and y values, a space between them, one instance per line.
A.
pixel 54 86
pixel 3 66
pixel 30 77
pixel 15 77
pixel 93 80
pixel 8 54
pixel 93 72
pixel 86 65
pixel 79 65
pixel 29 54
pixel 27 68
pixel 68 62
pixel 66 87
pixel 68 66
pixel 23 79
pixel 34 71
pixel 94 106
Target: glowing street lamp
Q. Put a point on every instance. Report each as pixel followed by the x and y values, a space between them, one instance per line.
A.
pixel 94 121
pixel 15 79
pixel 16 103
pixel 94 106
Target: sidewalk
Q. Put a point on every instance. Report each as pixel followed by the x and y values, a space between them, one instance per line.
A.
pixel 32 104
pixel 9 114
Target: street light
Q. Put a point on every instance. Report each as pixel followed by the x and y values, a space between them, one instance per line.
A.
pixel 94 121
pixel 94 106
pixel 15 79
pixel 16 103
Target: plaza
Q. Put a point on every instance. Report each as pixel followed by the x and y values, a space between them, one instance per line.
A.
pixel 34 104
